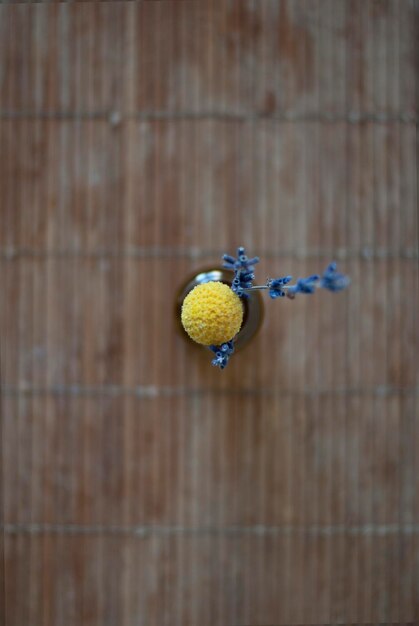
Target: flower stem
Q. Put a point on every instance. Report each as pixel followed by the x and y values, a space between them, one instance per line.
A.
pixel 256 287
pixel 264 287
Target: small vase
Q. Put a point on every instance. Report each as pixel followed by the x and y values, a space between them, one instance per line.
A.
pixel 253 305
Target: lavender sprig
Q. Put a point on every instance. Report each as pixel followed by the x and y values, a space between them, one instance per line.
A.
pixel 304 285
pixel 242 285
pixel 222 354
pixel 333 280
pixel 276 286
pixel 243 268
pixel 241 261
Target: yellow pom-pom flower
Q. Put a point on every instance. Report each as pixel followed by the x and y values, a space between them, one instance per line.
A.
pixel 212 313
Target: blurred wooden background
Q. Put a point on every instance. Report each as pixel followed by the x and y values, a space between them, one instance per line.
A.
pixel 138 142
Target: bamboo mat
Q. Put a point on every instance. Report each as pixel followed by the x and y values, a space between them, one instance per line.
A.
pixel 139 142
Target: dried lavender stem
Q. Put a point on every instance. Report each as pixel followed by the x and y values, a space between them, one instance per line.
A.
pixel 264 287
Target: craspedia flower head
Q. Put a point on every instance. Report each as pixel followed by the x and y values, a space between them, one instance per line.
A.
pixel 212 314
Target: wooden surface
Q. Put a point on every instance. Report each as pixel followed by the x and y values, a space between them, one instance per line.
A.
pixel 138 142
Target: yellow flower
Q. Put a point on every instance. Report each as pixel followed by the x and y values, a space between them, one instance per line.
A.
pixel 212 313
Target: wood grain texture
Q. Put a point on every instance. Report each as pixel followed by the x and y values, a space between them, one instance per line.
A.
pixel 138 142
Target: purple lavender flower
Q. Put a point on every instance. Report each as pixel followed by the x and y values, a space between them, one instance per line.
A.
pixel 243 268
pixel 304 285
pixel 275 286
pixel 240 262
pixel 222 354
pixel 333 280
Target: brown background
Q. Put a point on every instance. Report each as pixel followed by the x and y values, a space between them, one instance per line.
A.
pixel 139 142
